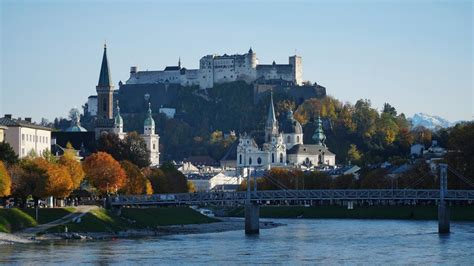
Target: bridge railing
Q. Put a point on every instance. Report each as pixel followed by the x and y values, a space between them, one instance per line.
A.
pixel 276 195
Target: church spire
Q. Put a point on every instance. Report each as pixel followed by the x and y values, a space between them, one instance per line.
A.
pixel 319 137
pixel 104 78
pixel 179 62
pixel 271 126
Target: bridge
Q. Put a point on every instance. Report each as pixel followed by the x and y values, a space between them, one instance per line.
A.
pixel 275 196
pixel 253 199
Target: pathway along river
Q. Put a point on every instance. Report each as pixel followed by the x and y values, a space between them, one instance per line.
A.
pixel 299 242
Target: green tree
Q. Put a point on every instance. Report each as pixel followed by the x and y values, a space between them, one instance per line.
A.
pixel 167 179
pixel 461 157
pixel 375 179
pixel 7 154
pixel 353 154
pixel 135 150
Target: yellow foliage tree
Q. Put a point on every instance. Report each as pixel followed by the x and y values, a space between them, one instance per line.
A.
pixel 191 187
pixel 136 183
pixel 5 181
pixel 55 178
pixel 68 160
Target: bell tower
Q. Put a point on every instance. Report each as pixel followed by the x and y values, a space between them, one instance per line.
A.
pixel 105 90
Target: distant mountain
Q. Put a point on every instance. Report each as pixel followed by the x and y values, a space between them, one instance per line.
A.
pixel 429 121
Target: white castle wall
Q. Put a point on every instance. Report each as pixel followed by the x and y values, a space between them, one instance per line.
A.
pixel 214 69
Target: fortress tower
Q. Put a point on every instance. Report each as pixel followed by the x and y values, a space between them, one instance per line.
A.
pixel 295 61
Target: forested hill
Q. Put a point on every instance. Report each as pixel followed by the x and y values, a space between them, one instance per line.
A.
pixel 358 133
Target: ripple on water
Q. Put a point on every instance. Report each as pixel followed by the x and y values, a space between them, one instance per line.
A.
pixel 300 242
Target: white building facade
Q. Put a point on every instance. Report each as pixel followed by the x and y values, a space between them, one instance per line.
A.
pixel 26 137
pixel 284 146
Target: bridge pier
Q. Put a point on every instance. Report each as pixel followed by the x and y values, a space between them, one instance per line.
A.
pixel 443 211
pixel 252 218
pixel 443 218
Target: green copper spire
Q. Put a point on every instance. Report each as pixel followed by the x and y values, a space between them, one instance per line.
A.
pixel 149 122
pixel 118 118
pixel 318 135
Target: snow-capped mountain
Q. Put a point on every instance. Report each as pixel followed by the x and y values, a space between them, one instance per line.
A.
pixel 429 121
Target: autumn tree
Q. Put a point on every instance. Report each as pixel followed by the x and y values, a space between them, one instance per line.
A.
pixel 136 183
pixel 74 167
pixel 5 181
pixel 55 179
pixel 191 187
pixel 104 172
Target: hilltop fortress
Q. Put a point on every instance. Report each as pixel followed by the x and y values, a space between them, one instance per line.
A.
pixel 215 69
pixel 162 88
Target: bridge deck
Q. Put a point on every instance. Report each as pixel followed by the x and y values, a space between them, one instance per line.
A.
pixel 282 195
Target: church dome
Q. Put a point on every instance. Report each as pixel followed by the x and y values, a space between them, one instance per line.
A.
pixel 149 121
pixel 290 125
pixel 76 128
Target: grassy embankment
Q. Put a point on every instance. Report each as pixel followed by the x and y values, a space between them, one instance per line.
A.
pixel 458 213
pixel 12 220
pixel 102 220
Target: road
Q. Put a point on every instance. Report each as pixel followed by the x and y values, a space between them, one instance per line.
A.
pixel 78 213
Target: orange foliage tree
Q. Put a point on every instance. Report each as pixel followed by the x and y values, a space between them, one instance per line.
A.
pixel 136 182
pixel 104 172
pixel 74 167
pixel 56 180
pixel 5 181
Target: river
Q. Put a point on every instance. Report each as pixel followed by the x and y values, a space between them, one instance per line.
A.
pixel 298 242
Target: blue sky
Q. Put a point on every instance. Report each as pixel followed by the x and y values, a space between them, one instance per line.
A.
pixel 415 55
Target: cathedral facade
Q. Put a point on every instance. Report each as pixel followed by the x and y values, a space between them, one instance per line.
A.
pixel 284 146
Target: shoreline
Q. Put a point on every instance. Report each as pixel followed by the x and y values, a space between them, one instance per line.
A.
pixel 225 224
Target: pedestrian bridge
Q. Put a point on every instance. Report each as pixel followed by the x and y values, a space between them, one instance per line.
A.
pixel 240 197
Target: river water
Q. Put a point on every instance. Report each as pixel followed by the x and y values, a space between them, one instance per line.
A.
pixel 298 242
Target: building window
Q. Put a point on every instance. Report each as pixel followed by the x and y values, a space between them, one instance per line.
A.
pixel 298 139
pixel 259 160
pixel 23 137
pixel 281 157
pixel 288 139
pixel 240 159
pixel 153 146
pixel 104 105
pixel 250 161
pixel 22 151
pixel 273 157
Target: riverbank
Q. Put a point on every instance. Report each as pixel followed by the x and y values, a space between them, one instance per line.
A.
pixel 99 223
pixel 457 213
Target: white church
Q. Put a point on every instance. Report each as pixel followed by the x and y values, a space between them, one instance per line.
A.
pixel 284 146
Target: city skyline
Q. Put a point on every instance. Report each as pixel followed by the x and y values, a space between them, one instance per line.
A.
pixel 415 56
